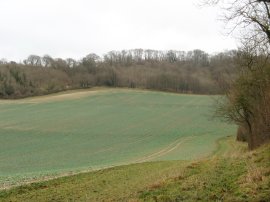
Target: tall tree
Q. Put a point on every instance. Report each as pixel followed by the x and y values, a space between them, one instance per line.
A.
pixel 248 99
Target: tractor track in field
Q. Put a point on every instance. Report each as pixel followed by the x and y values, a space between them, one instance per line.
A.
pixel 164 151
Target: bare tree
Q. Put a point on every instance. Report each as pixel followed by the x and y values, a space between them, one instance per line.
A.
pixel 248 98
pixel 33 60
pixel 91 60
pixel 47 61
pixel 71 63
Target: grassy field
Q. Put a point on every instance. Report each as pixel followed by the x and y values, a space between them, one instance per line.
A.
pixel 231 174
pixel 86 130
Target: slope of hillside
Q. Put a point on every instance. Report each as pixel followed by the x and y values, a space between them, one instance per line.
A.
pixel 88 130
pixel 231 174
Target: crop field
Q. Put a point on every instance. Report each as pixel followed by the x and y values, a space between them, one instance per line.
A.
pixel 87 130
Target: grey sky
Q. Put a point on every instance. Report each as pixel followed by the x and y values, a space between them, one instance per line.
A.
pixel 74 28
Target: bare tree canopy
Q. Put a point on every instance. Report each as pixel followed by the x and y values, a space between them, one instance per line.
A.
pixel 251 18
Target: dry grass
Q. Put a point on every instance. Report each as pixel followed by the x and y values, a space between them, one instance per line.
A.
pixel 228 177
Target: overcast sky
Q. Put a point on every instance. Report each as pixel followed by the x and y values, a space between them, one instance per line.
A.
pixel 74 28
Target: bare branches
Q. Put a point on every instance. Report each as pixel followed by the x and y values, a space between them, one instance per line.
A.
pixel 247 102
pixel 248 17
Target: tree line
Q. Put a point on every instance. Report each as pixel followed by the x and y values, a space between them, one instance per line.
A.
pixel 177 71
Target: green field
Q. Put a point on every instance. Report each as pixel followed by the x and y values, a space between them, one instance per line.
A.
pixel 85 130
pixel 232 173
